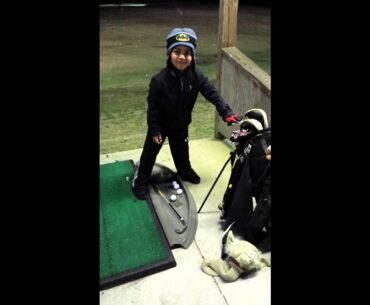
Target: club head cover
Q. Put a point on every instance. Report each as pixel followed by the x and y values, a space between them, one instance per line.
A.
pixel 224 253
pixel 251 124
pixel 259 115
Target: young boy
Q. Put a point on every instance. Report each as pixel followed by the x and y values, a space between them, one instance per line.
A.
pixel 172 95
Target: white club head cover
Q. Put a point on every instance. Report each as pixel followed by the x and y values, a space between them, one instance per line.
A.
pixel 242 257
pixel 259 115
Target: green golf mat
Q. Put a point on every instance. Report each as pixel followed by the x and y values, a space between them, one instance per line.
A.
pixel 132 241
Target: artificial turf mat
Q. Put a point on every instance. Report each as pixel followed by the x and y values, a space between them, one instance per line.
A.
pixel 132 242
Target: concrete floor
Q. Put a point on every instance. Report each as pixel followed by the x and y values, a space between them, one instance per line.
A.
pixel 186 284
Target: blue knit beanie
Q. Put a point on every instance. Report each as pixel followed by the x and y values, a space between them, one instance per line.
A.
pixel 181 37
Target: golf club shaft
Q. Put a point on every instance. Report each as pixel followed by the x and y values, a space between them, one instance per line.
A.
pixel 169 203
pixel 173 209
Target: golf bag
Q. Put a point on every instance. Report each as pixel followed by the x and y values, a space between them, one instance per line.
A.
pixel 250 177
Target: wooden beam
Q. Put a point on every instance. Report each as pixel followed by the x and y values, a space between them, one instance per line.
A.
pixel 227 27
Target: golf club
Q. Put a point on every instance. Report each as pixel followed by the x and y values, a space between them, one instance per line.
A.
pixel 182 220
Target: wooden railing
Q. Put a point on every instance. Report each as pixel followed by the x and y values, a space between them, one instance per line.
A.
pixel 241 82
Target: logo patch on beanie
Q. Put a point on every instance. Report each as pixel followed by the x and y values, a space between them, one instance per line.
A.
pixel 182 37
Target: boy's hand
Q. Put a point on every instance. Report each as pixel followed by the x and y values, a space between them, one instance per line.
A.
pixel 157 139
pixel 233 119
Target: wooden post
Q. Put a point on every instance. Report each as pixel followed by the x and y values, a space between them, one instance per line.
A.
pixel 227 27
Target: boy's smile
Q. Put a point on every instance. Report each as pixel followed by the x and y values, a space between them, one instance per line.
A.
pixel 181 57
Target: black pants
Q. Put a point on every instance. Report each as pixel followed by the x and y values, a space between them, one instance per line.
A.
pixel 179 147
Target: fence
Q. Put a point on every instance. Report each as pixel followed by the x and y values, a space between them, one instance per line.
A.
pixel 242 83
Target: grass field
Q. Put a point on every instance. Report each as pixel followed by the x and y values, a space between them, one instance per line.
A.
pixel 133 49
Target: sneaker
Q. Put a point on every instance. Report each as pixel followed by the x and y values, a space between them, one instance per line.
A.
pixel 189 175
pixel 140 191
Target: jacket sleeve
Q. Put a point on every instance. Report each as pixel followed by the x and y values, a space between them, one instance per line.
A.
pixel 154 108
pixel 211 94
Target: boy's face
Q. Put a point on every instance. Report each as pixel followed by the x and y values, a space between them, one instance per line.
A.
pixel 181 57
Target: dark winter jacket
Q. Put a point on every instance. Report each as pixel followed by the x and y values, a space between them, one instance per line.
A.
pixel 172 95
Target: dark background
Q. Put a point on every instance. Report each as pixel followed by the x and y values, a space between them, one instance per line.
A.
pixel 249 2
pixel 51 161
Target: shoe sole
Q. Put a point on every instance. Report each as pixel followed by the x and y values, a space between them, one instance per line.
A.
pixel 192 182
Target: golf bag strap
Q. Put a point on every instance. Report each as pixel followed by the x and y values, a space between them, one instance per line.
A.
pixel 261 180
pixel 262 140
pixel 263 143
pixel 232 157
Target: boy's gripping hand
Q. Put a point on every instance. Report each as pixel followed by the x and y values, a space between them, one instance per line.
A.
pixel 157 139
pixel 233 119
